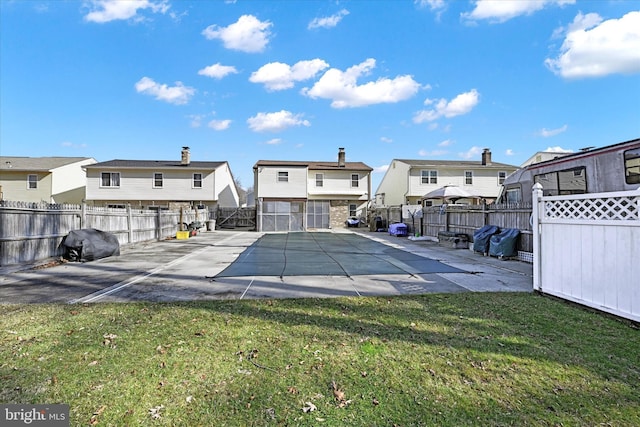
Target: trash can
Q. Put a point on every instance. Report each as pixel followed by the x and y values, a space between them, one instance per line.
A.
pixel 481 238
pixel 379 224
pixel 504 244
pixel 211 225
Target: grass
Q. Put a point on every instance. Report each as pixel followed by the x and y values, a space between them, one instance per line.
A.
pixel 455 359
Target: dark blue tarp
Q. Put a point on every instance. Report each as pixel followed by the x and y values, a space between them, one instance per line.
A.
pixel 504 244
pixel 481 238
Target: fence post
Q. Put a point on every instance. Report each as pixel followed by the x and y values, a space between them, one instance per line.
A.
pixel 129 223
pixel 83 214
pixel 159 223
pixel 536 213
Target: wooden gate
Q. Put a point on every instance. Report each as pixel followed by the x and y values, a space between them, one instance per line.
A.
pixel 236 218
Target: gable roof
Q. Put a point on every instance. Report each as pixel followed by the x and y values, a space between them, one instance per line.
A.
pixel 454 163
pixel 16 163
pixel 359 166
pixel 154 164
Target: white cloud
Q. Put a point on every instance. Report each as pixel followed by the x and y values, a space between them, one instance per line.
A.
pixel 178 94
pixel 381 169
pixel 329 21
pixel 279 76
pixel 504 10
pixel 595 48
pixel 219 124
pixel 473 152
pixel 248 34
pixel 461 104
pixel 434 5
pixel 274 141
pixel 195 120
pixel 552 132
pixel 218 71
pixel 446 143
pixel 509 152
pixel 110 10
pixel 385 139
pixel 342 88
pixel 70 144
pixel 557 149
pixel 276 122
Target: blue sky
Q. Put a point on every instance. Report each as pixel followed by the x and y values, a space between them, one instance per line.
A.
pixel 243 81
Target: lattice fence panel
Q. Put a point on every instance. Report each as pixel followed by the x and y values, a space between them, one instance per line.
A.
pixel 608 208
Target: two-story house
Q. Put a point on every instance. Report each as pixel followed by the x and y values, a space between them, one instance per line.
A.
pixel 43 179
pixel 161 184
pixel 300 195
pixel 407 181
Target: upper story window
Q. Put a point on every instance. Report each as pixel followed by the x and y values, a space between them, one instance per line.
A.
pixel 283 176
pixel 632 166
pixel 501 177
pixel 565 182
pixel 355 180
pixel 158 180
pixel 110 179
pixel 32 182
pixel 468 177
pixel 319 180
pixel 428 177
pixel 197 180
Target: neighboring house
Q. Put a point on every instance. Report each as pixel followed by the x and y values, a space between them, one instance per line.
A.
pixel 43 179
pixel 161 184
pixel 407 181
pixel 299 195
pixel 543 156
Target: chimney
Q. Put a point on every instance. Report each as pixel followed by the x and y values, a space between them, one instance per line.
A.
pixel 186 157
pixel 486 157
pixel 341 157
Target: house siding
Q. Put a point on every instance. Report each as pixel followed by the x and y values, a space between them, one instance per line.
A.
pixel 270 187
pixel 137 186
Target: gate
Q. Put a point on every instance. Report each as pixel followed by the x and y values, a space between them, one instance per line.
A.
pixel 586 249
pixel 236 217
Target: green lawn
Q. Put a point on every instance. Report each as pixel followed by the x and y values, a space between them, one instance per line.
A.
pixel 456 359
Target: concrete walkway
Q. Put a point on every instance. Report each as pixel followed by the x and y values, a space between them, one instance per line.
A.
pixel 180 270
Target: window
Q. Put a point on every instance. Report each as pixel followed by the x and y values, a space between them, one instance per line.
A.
pixel 32 182
pixel 429 177
pixel 110 179
pixel 353 209
pixel 355 180
pixel 513 195
pixel 319 180
pixel 158 180
pixel 468 177
pixel 565 182
pixel 197 180
pixel 632 166
pixel 283 176
pixel 501 176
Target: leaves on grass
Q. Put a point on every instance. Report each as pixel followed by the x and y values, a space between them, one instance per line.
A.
pixel 109 340
pixel 309 407
pixel 339 395
pixel 154 413
pixel 94 418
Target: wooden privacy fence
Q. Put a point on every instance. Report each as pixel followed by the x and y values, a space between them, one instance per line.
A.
pixel 467 219
pixel 33 231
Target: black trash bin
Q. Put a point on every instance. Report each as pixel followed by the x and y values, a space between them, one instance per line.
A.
pixel 481 238
pixel 379 224
pixel 504 244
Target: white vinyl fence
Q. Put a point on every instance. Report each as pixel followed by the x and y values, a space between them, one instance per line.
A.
pixel 33 231
pixel 587 249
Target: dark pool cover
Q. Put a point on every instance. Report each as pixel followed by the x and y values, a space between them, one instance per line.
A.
pixel 327 254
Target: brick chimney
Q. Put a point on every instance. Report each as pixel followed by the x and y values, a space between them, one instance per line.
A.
pixel 486 157
pixel 341 157
pixel 186 157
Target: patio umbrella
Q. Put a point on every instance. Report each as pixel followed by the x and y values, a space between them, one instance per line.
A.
pixel 449 193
